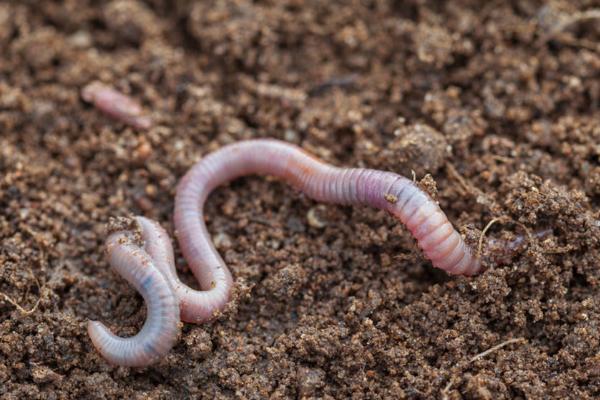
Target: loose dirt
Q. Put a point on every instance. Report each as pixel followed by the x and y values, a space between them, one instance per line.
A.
pixel 498 101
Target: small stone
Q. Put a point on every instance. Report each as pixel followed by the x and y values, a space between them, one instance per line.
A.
pixel 43 374
pixel 143 151
pixel 151 190
pixel 291 136
pixel 417 147
pixel 222 240
pixel 390 198
pixel 80 39
pixel 314 217
pixel 287 282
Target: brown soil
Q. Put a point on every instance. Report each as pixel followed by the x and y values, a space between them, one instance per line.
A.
pixel 498 101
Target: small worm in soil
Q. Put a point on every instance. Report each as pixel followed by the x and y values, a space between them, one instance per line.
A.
pixel 388 191
pixel 158 335
pixel 116 105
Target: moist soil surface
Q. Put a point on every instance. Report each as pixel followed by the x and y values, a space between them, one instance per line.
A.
pixel 492 106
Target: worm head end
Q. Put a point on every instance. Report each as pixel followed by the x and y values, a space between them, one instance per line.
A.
pixel 93 328
pixel 97 330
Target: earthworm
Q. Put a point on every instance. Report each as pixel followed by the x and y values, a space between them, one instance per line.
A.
pixel 115 104
pixel 502 252
pixel 161 328
pixel 388 191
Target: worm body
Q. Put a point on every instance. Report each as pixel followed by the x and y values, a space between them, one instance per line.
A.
pixel 116 105
pixel 161 328
pixel 388 191
pixel 151 269
pixel 158 246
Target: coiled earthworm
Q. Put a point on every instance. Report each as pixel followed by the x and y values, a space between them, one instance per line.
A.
pixel 161 328
pixel 151 270
pixel 115 104
pixel 440 242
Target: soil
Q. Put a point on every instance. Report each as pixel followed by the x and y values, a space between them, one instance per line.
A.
pixel 492 106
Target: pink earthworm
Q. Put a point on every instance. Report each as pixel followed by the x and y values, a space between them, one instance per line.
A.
pixel 502 252
pixel 116 105
pixel 435 235
pixel 158 245
pixel 158 335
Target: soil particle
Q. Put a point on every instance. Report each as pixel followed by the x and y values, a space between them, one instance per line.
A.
pixel 417 148
pixel 199 344
pixel 315 217
pixel 309 380
pixel 131 21
pixel 287 282
pixel 43 374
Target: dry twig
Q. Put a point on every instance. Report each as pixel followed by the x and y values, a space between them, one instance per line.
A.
pixel 18 306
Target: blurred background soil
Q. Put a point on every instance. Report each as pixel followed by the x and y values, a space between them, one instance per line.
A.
pixel 498 101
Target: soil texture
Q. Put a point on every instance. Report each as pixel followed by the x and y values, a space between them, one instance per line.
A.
pixel 494 107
